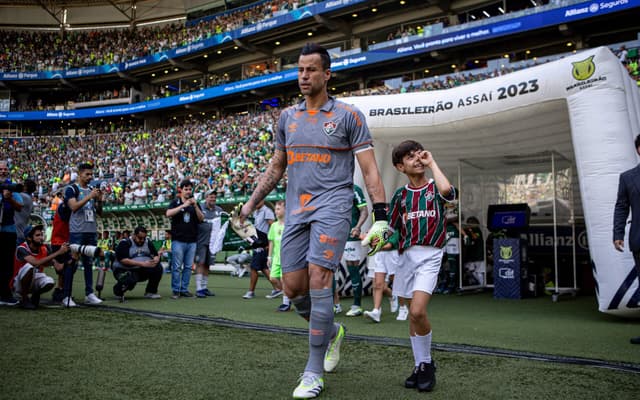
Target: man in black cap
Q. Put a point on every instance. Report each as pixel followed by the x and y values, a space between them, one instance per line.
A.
pixel 210 225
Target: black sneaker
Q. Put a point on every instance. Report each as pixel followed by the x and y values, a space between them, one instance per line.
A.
pixel 8 301
pixel 426 376
pixel 119 289
pixel 186 294
pixel 412 380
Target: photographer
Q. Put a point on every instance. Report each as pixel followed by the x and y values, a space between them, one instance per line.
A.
pixel 85 202
pixel 185 214
pixel 11 202
pixel 67 261
pixel 22 217
pixel 137 260
pixel 30 257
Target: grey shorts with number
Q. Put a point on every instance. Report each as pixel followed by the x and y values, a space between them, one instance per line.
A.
pixel 319 242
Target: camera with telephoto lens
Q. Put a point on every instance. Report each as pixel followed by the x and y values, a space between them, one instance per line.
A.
pixel 12 187
pixel 85 250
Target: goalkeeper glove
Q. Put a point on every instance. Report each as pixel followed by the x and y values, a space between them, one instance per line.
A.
pixel 377 236
pixel 245 230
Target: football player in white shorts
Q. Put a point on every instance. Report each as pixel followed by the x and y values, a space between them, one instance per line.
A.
pixel 417 213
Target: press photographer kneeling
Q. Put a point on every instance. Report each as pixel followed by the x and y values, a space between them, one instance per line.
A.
pixel 137 260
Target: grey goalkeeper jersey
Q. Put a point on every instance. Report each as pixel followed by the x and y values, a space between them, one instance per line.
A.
pixel 320 147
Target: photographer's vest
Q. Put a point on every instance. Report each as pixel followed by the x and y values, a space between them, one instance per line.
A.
pixel 136 253
pixel 83 220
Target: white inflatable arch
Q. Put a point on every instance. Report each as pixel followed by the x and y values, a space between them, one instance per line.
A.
pixel 584 107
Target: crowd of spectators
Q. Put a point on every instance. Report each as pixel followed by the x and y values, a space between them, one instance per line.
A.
pixel 49 51
pixel 404 31
pixel 143 166
pixel 27 51
pixel 55 100
pixel 629 58
pixel 137 166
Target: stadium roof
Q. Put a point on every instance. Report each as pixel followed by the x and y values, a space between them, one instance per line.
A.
pixel 86 12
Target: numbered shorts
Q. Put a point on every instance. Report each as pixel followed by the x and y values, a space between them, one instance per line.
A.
pixel 319 242
pixel 41 280
pixel 353 251
pixel 418 270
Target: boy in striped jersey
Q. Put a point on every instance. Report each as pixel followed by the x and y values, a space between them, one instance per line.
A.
pixel 418 214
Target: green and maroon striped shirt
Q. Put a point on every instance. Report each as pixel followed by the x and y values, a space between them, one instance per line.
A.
pixel 419 215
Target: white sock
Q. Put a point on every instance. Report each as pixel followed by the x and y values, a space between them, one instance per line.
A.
pixel 423 347
pixel 205 281
pixel 285 300
pixel 414 350
pixel 198 281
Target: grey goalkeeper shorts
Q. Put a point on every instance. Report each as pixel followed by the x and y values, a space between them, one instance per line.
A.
pixel 319 242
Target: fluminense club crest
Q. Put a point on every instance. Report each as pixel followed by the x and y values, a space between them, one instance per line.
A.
pixel 329 127
pixel 429 195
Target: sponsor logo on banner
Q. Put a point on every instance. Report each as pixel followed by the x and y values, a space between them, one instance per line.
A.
pixel 583 71
pixel 506 252
pixel 506 273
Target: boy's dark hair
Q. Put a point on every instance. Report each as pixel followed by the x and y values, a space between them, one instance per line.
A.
pixel 314 48
pixel 185 183
pixel 139 229
pixel 637 141
pixel 403 149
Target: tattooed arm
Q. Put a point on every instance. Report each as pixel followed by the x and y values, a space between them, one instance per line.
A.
pixel 267 181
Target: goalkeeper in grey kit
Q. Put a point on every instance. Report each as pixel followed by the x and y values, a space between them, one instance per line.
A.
pixel 317 141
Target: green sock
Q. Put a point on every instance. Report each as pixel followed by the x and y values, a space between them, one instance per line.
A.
pixel 356 284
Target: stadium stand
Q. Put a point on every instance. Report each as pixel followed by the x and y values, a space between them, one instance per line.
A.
pixel 222 142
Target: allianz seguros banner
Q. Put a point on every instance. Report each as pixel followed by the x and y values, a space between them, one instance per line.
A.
pixel 511 90
pixel 192 97
pixel 518 88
